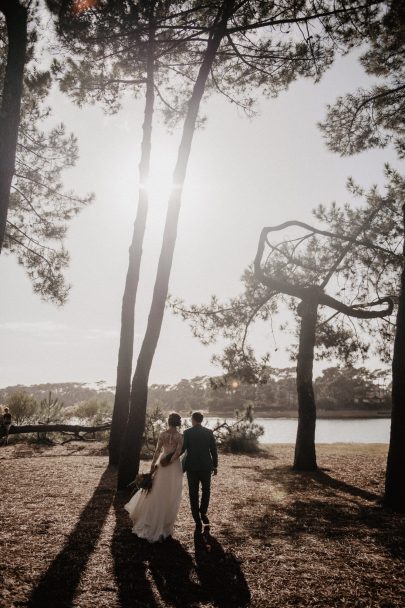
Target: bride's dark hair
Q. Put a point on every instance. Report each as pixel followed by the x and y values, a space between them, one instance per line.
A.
pixel 174 419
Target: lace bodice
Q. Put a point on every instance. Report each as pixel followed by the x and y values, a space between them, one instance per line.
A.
pixel 169 442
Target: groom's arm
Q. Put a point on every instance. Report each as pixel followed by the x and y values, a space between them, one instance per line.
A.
pixel 214 452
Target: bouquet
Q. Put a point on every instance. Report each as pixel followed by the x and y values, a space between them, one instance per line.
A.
pixel 142 482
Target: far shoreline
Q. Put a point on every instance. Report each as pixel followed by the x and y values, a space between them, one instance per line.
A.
pixel 321 414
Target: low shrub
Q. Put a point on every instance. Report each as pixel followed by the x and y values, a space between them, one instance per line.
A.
pixel 241 440
pixel 241 436
pixel 93 412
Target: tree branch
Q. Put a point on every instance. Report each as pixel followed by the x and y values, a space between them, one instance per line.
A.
pixel 346 249
pixel 314 293
pixel 334 235
pixel 9 236
pixel 305 19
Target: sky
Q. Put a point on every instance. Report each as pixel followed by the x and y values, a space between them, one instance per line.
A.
pixel 243 174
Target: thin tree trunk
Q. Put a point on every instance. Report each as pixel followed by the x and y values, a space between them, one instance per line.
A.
pixel 125 354
pixel 132 441
pixel 394 497
pixel 16 23
pixel 305 456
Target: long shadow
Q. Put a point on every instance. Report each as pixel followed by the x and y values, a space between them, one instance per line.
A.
pixel 319 507
pixel 172 569
pixel 58 585
pixel 337 484
pixel 130 556
pixel 294 479
pixel 146 572
pixel 222 581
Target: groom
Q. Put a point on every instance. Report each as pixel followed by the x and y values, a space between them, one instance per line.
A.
pixel 200 462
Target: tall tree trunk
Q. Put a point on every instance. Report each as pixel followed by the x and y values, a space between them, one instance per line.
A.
pixel 394 497
pixel 132 441
pixel 16 23
pixel 305 456
pixel 126 348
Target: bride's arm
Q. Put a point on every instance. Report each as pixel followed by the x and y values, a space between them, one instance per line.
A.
pixel 179 448
pixel 157 453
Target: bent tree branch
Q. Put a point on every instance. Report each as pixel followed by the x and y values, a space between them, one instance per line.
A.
pixel 316 293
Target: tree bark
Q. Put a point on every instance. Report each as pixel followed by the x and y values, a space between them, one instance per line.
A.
pixel 394 497
pixel 16 23
pixel 305 455
pixel 125 354
pixel 132 441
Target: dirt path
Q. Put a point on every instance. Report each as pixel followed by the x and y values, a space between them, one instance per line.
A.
pixel 278 538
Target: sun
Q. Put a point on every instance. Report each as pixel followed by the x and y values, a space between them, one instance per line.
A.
pixel 159 185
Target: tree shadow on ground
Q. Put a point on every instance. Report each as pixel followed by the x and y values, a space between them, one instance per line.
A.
pixel 296 479
pixel 318 504
pixel 326 480
pixel 58 585
pixel 147 574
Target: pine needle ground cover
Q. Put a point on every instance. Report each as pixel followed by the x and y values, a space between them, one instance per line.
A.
pixel 277 538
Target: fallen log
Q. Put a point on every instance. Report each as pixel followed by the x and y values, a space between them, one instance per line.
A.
pixel 58 428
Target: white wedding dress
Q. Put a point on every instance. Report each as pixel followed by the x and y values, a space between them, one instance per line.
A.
pixel 154 513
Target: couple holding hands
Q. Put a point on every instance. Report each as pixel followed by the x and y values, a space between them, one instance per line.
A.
pixel 154 512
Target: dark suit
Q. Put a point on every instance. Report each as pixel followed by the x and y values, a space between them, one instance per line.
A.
pixel 200 460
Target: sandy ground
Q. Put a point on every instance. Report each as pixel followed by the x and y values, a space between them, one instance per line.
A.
pixel 277 538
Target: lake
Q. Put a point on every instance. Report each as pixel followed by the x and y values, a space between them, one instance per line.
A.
pixel 363 430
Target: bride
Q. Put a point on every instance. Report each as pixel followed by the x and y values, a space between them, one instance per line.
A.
pixel 153 513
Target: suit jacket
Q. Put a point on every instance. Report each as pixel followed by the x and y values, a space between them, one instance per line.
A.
pixel 201 449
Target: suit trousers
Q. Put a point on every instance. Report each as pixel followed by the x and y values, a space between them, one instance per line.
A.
pixel 194 479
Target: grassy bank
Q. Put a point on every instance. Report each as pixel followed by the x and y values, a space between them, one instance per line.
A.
pixel 278 538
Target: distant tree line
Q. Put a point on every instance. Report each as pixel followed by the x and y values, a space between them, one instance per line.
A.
pixel 337 389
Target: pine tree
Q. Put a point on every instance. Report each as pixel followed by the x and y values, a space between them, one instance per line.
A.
pixel 139 46
pixel 368 119
pixel 36 208
pixel 346 251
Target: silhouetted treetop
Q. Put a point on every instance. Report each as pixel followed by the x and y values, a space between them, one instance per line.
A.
pixel 40 208
pixel 373 117
pixel 265 45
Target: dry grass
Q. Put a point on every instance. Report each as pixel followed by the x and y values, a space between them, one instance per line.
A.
pixel 278 538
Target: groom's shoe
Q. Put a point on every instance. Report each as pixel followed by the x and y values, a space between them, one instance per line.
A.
pixel 205 519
